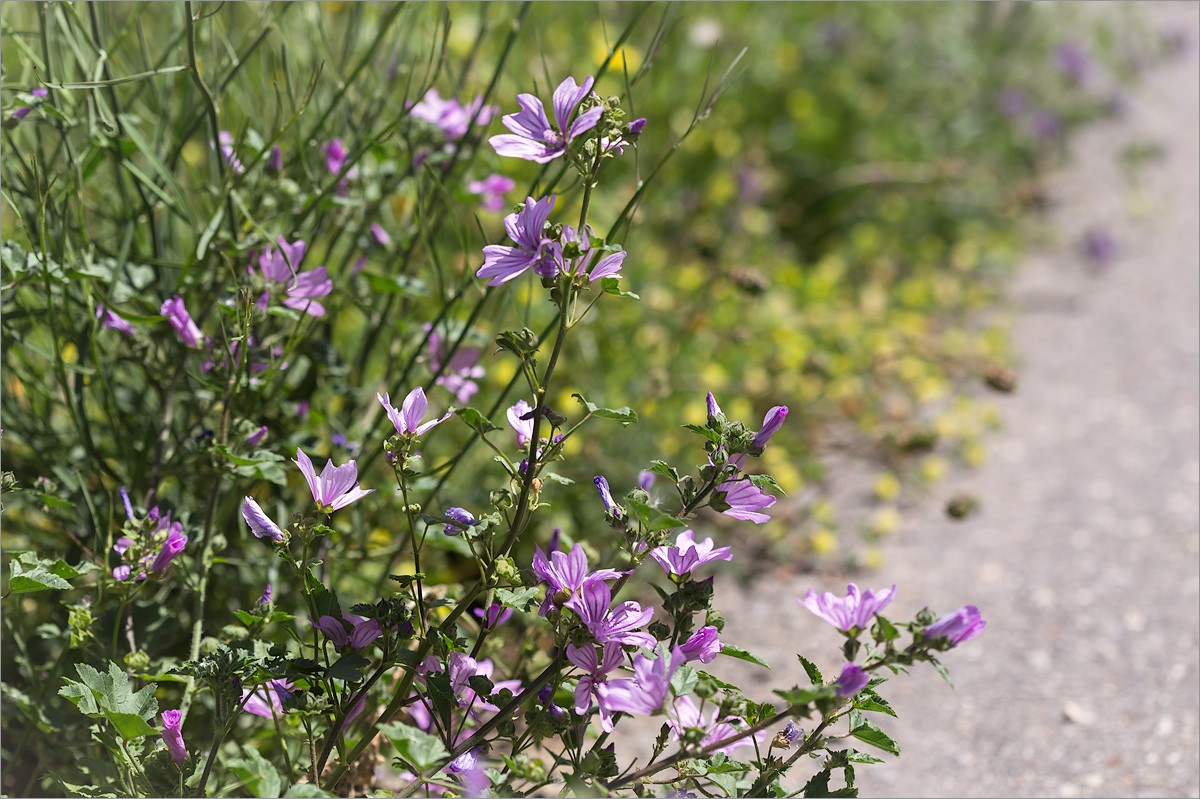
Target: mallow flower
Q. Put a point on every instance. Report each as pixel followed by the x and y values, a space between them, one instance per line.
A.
pixel 462 520
pixel 172 734
pixel 852 680
pixel 564 573
pixel 520 419
pixel 460 373
pixel 744 501
pixel 686 556
pixel 177 314
pixel 337 486
pixel 683 714
pixel 409 419
pixel 961 625
pixel 617 625
pixel 260 523
pixel 646 692
pixel 534 137
pixel 596 668
pixel 265 699
pixel 703 645
pixel 853 611
pixel 771 424
pixel 527 229
pixel 492 190
pixel 111 321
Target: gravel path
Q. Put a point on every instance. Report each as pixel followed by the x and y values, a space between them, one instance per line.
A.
pixel 1084 556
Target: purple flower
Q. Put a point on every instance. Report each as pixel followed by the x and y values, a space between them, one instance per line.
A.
pixel 362 631
pixel 337 486
pixel 265 700
pixel 745 500
pixel 713 408
pixel 592 602
pixel 771 424
pixel 461 668
pixel 609 265
pixel 381 235
pixel 852 680
pixel 466 761
pixel 21 113
pixel 172 721
pixel 536 139
pixel 520 419
pixel 176 541
pixel 645 480
pixel 113 322
pixel 460 373
pixel 453 119
pixel 225 138
pixel 255 438
pixel 687 555
pixel 462 520
pixel 177 314
pixel 305 288
pixel 1099 246
pixel 261 524
pixel 355 712
pixel 492 188
pixel 302 409
pixel 703 645
pixel 645 693
pixel 853 611
pixel 280 266
pixel 1046 124
pixel 275 162
pixel 595 668
pixel 495 616
pixel 961 625
pixel 564 573
pixel 605 495
pixel 334 630
pixel 792 732
pixel 1073 62
pixel 266 595
pixel 335 154
pixel 1012 102
pixel 526 227
pixel 128 513
pixel 408 420
pixel 683 714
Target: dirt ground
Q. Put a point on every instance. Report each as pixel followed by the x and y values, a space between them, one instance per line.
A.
pixel 1083 559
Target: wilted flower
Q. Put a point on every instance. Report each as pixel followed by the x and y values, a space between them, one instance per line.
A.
pixel 265 700
pixel 961 625
pixel 492 188
pixel 852 680
pixel 853 611
pixel 526 227
pixel 172 721
pixel 408 420
pixel 177 314
pixel 337 486
pixel 534 137
pixel 687 555
pixel 261 524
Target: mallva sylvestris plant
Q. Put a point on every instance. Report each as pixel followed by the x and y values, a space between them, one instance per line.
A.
pixel 466 713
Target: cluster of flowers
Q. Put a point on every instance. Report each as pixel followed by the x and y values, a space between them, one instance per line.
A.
pixel 156 542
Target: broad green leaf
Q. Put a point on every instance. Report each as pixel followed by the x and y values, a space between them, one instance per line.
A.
pixel 348 667
pixel 811 670
pixel 871 701
pixel 734 651
pixel 28 572
pixel 109 695
pixel 868 732
pixel 523 599
pixel 612 285
pixel 476 420
pixel 624 414
pixel 652 518
pixel 256 771
pixel 417 748
pixel 306 790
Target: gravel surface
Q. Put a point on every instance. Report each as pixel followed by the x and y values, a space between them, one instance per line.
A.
pixel 1083 558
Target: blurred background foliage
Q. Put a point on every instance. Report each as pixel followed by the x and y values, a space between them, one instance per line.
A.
pixel 832 233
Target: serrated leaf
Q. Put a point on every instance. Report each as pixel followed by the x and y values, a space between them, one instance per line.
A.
pixel 763 481
pixel 803 696
pixel 733 651
pixel 558 478
pixel 653 519
pixel 306 790
pixel 416 747
pixel 260 456
pixel 684 680
pixel 28 573
pixel 873 702
pixel 476 420
pixel 711 435
pixel 937 664
pixel 855 756
pixel 612 285
pixel 810 668
pixel 111 697
pixel 129 725
pixel 868 732
pixel 523 599
pixel 665 469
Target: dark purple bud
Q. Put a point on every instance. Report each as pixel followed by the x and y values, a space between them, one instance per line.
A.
pixel 771 424
pixel 40 92
pixel 605 494
pixel 462 520
pixel 275 162
pixel 266 595
pixel 128 504
pixel 635 127
pixel 645 480
pixel 554 539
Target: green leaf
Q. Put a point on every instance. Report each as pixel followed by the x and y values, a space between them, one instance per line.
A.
pixel 476 420
pixel 110 696
pixel 665 469
pixel 441 694
pixel 29 573
pixel 348 667
pixel 855 756
pixel 937 664
pixel 417 748
pixel 763 481
pixel 130 726
pixel 734 651
pixel 260 456
pixel 612 285
pixel 871 701
pixel 868 732
pixel 256 771
pixel 558 478
pixel 523 599
pixel 395 284
pixel 684 680
pixel 814 674
pixel 710 434
pixel 624 414
pixel 883 630
pixel 803 696
pixel 306 790
pixel 652 518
